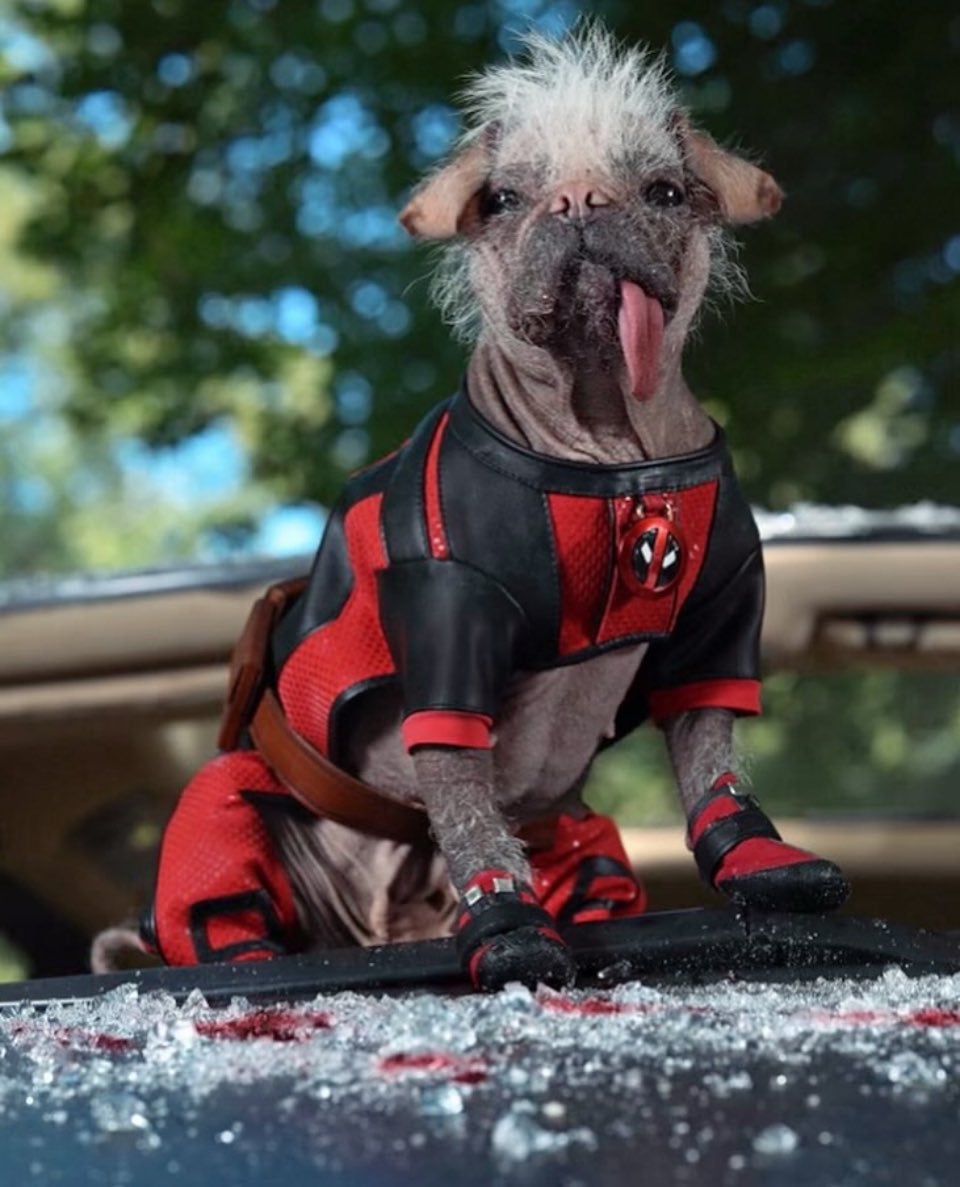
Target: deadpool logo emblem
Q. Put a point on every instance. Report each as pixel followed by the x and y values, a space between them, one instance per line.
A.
pixel 651 555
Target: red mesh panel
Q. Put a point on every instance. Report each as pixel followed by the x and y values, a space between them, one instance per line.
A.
pixel 215 846
pixel 583 540
pixel 224 930
pixel 586 544
pixel 628 613
pixel 347 650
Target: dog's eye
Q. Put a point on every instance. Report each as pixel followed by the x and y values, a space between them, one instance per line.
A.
pixel 498 202
pixel 665 193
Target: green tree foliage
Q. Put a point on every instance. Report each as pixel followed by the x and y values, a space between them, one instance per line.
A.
pixel 877 742
pixel 217 185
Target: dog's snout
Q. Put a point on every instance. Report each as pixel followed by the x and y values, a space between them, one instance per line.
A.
pixel 578 200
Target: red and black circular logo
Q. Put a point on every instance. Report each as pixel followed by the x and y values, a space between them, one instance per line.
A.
pixel 651 555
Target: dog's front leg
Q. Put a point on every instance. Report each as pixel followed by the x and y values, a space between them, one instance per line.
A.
pixel 700 744
pixel 737 849
pixel 503 934
pixel 458 790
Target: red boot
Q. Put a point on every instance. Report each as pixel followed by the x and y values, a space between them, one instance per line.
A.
pixel 740 854
pixel 503 934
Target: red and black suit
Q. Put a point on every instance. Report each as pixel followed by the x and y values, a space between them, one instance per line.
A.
pixel 449 567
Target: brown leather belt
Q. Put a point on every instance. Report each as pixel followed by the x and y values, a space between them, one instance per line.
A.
pixel 324 788
pixel 308 775
pixel 313 780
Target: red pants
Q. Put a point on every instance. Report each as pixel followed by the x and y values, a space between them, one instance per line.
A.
pixel 585 874
pixel 223 894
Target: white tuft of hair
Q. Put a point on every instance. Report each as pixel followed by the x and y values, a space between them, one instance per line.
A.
pixel 585 89
pixel 584 99
pixel 451 290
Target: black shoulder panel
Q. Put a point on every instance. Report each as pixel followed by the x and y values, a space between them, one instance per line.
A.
pixel 502 526
pixel 404 516
pixel 452 632
pixel 717 638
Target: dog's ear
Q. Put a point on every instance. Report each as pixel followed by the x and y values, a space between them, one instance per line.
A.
pixel 743 193
pixel 441 206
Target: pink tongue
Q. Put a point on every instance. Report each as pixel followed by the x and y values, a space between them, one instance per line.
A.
pixel 641 334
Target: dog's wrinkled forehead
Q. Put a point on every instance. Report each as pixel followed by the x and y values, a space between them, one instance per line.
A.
pixel 577 106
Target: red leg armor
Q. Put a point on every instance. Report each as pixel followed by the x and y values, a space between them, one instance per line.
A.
pixel 585 874
pixel 222 893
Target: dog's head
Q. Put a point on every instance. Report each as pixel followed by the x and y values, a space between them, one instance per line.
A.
pixel 586 213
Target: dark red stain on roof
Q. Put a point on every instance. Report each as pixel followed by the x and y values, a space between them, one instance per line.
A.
pixel 281 1026
pixel 930 1016
pixel 461 1069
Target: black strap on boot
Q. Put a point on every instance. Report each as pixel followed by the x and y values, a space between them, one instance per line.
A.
pixel 717 839
pixel 495 902
pixel 808 884
pixel 503 935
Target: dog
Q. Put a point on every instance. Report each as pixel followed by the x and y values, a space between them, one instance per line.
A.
pixel 557 553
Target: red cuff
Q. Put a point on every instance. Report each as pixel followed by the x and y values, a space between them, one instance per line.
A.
pixel 447 727
pixel 741 696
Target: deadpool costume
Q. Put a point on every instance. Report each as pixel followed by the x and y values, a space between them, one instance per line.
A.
pixel 464 558
pixel 447 568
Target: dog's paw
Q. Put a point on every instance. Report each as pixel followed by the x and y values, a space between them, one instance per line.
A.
pixel 503 934
pixel 741 855
pixel 530 955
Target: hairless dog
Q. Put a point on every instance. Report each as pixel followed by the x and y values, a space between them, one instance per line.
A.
pixel 557 553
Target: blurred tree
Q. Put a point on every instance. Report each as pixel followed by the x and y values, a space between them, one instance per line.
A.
pixel 211 231
pixel 75 500
pixel 877 742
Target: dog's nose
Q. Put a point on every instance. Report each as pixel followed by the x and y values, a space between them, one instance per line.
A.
pixel 577 200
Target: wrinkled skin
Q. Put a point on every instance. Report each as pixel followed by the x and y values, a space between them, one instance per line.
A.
pixel 547 280
pixel 559 273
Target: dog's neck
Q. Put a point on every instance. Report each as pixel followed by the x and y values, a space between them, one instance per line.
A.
pixel 582 415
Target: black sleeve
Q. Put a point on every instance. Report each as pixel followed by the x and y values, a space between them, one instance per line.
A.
pixel 711 659
pixel 452 631
pixel 716 639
